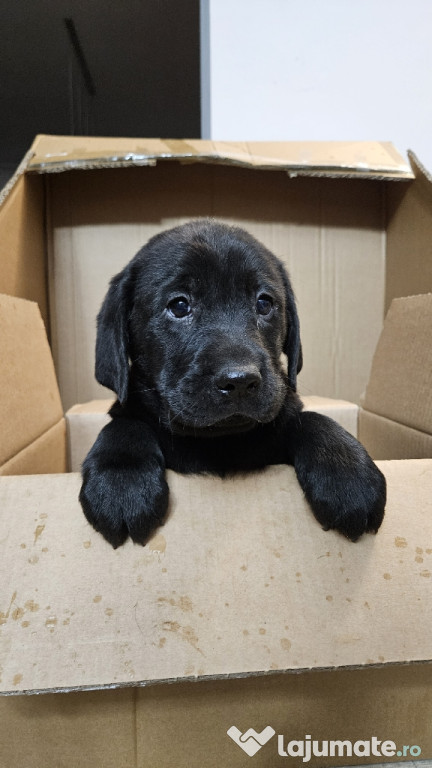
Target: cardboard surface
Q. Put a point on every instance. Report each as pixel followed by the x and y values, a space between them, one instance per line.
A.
pixel 77 614
pixel 371 159
pixel 400 384
pixel 84 422
pixel 386 439
pixel 22 243
pixel 30 403
pixel 184 725
pixel 47 454
pixel 409 236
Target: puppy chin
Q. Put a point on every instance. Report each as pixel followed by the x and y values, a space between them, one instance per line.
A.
pixel 232 425
pixel 219 424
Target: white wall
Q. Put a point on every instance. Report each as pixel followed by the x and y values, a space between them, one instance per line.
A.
pixel 318 70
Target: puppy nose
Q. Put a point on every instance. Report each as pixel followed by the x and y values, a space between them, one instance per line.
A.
pixel 237 382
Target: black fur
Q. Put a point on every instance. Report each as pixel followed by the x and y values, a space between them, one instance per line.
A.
pixel 206 392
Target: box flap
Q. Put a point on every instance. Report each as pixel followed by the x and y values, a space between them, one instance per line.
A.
pixel 30 402
pixel 241 580
pixel 386 439
pixel 45 454
pixel 409 236
pixel 343 158
pixel 400 383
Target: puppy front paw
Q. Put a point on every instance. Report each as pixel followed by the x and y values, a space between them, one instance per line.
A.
pixel 349 501
pixel 345 489
pixel 124 501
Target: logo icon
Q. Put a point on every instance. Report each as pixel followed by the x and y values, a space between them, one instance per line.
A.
pixel 250 741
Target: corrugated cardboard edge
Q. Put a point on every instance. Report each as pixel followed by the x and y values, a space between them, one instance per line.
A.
pixel 418 167
pixel 209 678
pixel 371 160
pixel 22 168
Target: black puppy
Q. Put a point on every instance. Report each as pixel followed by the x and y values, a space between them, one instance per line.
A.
pixel 190 338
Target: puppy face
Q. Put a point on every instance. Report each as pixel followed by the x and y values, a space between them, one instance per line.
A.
pixel 203 312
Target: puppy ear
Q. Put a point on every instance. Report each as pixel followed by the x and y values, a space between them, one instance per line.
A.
pixel 292 345
pixel 112 340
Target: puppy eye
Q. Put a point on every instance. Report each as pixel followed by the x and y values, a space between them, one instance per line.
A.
pixel 179 307
pixel 264 304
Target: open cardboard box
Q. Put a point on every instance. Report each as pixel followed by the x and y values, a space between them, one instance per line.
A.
pixel 240 611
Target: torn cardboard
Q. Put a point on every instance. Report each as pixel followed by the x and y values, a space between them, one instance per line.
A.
pixel 371 159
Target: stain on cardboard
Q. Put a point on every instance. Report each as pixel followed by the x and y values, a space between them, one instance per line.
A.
pixel 185 633
pixel 109 611
pixel 157 545
pixel 17 679
pixel 426 574
pixel 4 616
pixel 38 532
pixel 419 550
pixel 285 643
pixel 418 559
pixel 86 544
pixel 97 598
pixel 18 613
pixel 348 639
pixel 31 606
pixel 387 576
pixel 183 602
pixel 400 542
pixel 33 560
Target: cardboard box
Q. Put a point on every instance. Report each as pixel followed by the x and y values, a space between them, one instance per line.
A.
pixel 240 611
pixel 352 221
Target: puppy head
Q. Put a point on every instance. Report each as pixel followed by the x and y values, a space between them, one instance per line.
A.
pixel 194 328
